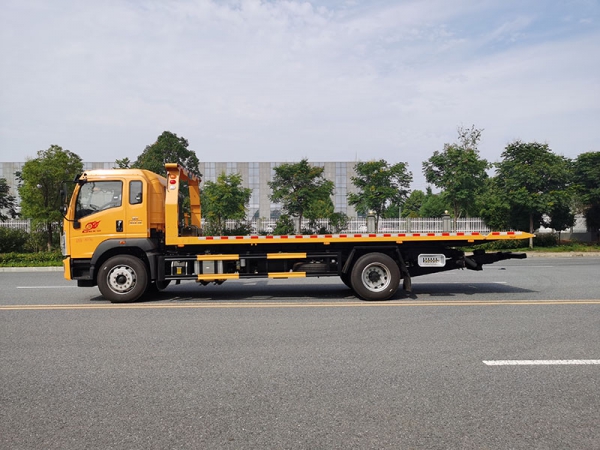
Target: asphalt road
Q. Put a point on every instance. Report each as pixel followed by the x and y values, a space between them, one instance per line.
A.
pixel 303 364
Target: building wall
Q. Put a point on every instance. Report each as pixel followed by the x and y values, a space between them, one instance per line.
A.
pixel 7 171
pixel 255 175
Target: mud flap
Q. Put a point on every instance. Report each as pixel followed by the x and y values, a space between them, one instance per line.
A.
pixel 407 283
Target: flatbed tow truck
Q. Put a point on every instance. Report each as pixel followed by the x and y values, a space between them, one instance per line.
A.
pixel 125 232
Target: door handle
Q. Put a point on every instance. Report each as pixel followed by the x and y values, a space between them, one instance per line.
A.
pixel 119 226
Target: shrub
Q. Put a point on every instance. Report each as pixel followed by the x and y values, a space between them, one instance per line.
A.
pixel 13 240
pixel 545 240
pixel 40 259
pixel 241 228
pixel 285 225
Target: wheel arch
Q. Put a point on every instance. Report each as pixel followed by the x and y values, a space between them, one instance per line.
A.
pixel 358 251
pixel 143 249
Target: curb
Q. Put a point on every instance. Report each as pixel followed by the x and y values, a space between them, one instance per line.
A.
pixel 563 255
pixel 31 269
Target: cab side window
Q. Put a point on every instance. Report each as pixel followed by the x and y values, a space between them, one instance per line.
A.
pixel 135 192
pixel 98 196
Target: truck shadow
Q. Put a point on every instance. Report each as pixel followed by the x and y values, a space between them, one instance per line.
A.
pixel 265 290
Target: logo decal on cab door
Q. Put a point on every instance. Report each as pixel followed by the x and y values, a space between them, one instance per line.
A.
pixel 92 227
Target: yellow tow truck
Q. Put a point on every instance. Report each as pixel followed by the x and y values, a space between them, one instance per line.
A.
pixel 125 231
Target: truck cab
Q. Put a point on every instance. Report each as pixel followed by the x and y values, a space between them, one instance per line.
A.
pixel 111 211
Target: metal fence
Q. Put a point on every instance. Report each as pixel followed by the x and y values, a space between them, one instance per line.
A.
pixel 403 225
pixel 17 224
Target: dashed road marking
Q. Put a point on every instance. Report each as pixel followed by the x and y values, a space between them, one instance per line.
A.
pixel 543 362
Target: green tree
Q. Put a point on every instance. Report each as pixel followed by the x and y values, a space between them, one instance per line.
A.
pixel 561 215
pixel 458 171
pixel 413 204
pixel 224 199
pixel 324 209
pixel 587 186
pixel 168 148
pixel 534 182
pixel 493 206
pixel 8 202
pixel 41 180
pixel 299 187
pixel 380 186
pixel 319 209
pixel 434 205
pixel 284 225
pixel 124 163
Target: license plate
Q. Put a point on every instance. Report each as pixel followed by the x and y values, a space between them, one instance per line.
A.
pixel 432 260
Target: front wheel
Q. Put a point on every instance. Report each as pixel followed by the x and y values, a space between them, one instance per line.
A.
pixel 122 279
pixel 375 276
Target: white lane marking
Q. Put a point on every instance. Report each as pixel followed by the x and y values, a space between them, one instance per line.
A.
pixel 543 362
pixel 45 287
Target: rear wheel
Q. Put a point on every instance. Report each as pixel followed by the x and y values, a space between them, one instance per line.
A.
pixel 375 276
pixel 122 279
pixel 157 287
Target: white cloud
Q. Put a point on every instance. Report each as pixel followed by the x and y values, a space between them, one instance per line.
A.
pixel 252 80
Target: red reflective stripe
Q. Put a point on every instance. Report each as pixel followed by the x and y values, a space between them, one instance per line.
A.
pixel 269 237
pixel 445 234
pixel 387 235
pixel 495 233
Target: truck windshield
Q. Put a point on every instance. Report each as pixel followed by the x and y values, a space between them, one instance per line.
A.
pixel 98 196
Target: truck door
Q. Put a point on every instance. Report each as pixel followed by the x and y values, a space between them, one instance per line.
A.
pixel 99 215
pixel 136 213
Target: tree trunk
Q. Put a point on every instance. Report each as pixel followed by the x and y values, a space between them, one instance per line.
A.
pixel 49 231
pixel 531 230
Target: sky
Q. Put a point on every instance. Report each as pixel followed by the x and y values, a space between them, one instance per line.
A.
pixel 326 80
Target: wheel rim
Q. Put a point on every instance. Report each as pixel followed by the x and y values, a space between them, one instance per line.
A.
pixel 376 277
pixel 122 279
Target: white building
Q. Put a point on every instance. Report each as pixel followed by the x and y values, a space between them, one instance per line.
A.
pixel 255 175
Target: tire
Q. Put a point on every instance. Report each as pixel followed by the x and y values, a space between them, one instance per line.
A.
pixel 156 287
pixel 313 267
pixel 345 277
pixel 375 276
pixel 122 279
